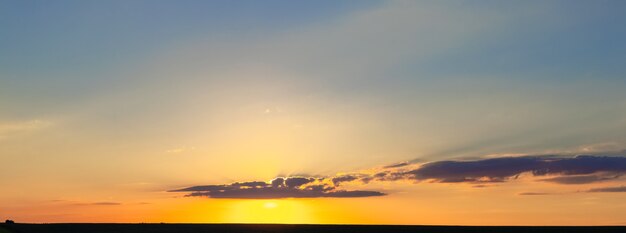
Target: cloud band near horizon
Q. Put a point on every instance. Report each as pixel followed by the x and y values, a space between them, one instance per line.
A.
pixel 582 169
pixel 290 187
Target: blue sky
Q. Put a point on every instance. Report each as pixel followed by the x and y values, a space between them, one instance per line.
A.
pixel 73 43
pixel 531 69
pixel 68 45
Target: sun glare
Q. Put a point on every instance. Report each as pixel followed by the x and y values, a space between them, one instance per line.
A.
pixel 270 211
pixel 270 205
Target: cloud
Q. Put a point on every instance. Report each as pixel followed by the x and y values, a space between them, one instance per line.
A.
pixel 533 194
pixel 106 203
pixel 295 182
pixel 402 164
pixel 102 203
pixel 273 193
pixel 208 188
pixel 252 184
pixel 345 178
pixel 584 179
pixel 278 182
pixel 503 169
pixel 289 187
pixel 559 169
pixel 619 189
pixel 78 203
pixel 492 170
pixel 582 169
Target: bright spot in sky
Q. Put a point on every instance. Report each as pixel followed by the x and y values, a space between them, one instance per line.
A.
pixel 270 205
pixel 269 211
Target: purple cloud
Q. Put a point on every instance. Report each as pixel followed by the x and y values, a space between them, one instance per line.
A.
pixel 570 170
pixel 290 187
pixel 619 189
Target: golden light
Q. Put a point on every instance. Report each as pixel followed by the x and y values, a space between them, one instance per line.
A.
pixel 269 211
pixel 270 205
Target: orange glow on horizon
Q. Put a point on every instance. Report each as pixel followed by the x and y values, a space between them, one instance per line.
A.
pixel 269 211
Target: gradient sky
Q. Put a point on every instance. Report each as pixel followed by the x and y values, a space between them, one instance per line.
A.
pixel 116 111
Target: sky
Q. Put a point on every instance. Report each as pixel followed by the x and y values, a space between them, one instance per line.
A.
pixel 368 112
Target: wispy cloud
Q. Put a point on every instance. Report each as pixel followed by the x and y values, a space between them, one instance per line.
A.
pixel 80 203
pixel 105 203
pixel 534 194
pixel 402 164
pixel 618 189
pixel 84 203
pixel 582 179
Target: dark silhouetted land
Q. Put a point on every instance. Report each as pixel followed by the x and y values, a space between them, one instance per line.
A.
pixel 282 228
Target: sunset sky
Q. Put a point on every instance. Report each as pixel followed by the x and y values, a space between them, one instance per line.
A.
pixel 369 112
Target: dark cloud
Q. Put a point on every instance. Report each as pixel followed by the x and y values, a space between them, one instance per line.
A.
pixel 355 193
pixel 397 165
pixel 345 178
pixel 321 187
pixel 582 169
pixel 273 193
pixel 584 164
pixel 492 170
pixel 619 189
pixel 579 179
pixel 386 176
pixel 294 182
pixel 278 182
pixel 503 169
pixel 252 184
pixel 290 187
pixel 208 188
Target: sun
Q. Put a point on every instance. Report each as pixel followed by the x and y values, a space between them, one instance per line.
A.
pixel 270 205
pixel 269 211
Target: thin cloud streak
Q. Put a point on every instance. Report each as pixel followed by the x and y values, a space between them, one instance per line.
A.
pixel 619 189
pixel 534 194
pixel 584 179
